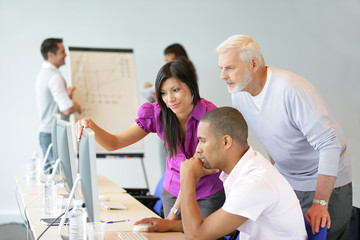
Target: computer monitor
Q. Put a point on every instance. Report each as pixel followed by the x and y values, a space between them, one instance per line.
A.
pixel 65 149
pixel 54 136
pixel 88 173
pixel 48 163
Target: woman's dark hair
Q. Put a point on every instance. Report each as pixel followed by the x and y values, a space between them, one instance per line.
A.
pixel 176 49
pixel 183 70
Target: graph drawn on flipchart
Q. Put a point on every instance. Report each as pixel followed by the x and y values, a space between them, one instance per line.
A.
pixel 106 89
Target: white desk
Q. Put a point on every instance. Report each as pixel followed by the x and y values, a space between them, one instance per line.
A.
pixel 136 211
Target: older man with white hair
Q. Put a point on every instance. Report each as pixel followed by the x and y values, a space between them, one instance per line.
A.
pixel 291 120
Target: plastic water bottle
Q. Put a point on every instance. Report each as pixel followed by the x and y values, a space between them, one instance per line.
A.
pixel 34 166
pixel 77 222
pixel 38 161
pixel 50 195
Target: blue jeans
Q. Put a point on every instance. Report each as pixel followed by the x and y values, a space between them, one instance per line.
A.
pixel 45 140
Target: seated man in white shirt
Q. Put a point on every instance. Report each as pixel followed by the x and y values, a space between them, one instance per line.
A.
pixel 52 96
pixel 260 203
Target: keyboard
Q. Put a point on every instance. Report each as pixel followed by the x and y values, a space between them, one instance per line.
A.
pixel 131 236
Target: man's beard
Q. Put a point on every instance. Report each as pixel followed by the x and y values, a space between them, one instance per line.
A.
pixel 205 163
pixel 245 81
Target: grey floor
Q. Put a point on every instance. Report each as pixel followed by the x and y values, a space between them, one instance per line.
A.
pixel 14 231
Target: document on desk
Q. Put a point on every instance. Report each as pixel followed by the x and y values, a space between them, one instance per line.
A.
pixel 131 236
pixel 113 205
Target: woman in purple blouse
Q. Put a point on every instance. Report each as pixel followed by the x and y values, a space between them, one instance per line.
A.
pixel 175 118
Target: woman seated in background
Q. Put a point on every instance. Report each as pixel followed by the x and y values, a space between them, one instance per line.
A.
pixel 171 52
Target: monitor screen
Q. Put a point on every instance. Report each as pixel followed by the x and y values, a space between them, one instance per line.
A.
pixel 88 173
pixel 66 153
pixel 54 136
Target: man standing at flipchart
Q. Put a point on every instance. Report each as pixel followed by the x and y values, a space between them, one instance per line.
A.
pixel 52 96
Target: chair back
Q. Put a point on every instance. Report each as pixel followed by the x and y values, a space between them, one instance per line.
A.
pixel 321 235
pixel 159 205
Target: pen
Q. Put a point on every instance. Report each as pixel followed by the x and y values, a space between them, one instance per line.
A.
pixel 125 220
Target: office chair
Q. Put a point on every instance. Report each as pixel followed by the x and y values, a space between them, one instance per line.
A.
pixel 153 202
pixel 137 191
pixel 158 208
pixel 321 235
pixel 234 236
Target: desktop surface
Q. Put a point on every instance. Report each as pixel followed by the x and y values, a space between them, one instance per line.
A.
pixel 135 212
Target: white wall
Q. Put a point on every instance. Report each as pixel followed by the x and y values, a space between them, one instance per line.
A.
pixel 316 39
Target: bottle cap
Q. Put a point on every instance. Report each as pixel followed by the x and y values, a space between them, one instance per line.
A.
pixel 35 154
pixel 49 177
pixel 78 203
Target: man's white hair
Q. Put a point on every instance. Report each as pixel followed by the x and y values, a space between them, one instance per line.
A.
pixel 248 48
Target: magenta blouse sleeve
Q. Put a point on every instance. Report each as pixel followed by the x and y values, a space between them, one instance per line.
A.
pixel 146 117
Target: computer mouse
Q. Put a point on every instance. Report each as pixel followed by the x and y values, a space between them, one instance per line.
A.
pixel 103 198
pixel 141 227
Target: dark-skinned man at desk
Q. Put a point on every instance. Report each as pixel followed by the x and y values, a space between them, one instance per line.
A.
pixel 259 202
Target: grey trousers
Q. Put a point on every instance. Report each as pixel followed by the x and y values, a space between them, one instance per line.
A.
pixel 207 205
pixel 340 209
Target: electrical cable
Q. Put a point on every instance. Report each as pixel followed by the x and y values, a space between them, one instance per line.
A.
pixel 28 224
pixel 25 207
pixel 17 202
pixel 23 217
pixel 52 224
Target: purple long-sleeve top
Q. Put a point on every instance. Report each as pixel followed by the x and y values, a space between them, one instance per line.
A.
pixel 148 119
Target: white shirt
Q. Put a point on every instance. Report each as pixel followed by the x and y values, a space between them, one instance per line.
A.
pixel 51 95
pixel 58 89
pixel 256 190
pixel 258 99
